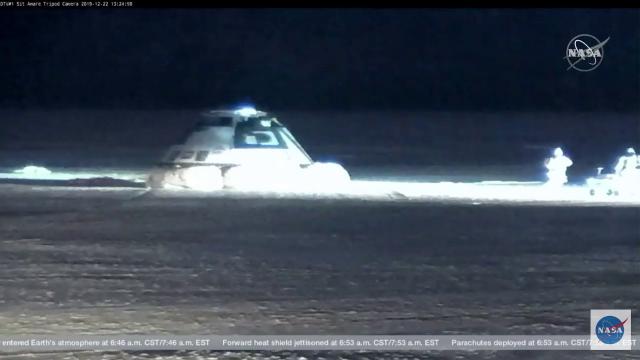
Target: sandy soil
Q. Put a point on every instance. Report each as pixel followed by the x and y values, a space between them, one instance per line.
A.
pixel 100 261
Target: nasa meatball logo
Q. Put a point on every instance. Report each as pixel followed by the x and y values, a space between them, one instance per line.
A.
pixel 585 52
pixel 611 329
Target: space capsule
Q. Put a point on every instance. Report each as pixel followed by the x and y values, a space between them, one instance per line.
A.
pixel 243 149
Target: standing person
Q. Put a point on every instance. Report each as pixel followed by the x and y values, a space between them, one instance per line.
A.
pixel 627 164
pixel 557 166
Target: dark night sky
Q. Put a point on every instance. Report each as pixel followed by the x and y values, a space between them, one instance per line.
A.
pixel 459 59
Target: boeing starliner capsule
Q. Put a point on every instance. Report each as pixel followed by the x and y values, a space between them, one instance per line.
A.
pixel 243 149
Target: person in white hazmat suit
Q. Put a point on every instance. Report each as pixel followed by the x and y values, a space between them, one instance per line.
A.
pixel 627 164
pixel 557 168
pixel 628 171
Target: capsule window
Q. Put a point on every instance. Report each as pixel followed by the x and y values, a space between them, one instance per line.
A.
pixel 202 155
pixel 174 155
pixel 187 155
pixel 257 139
